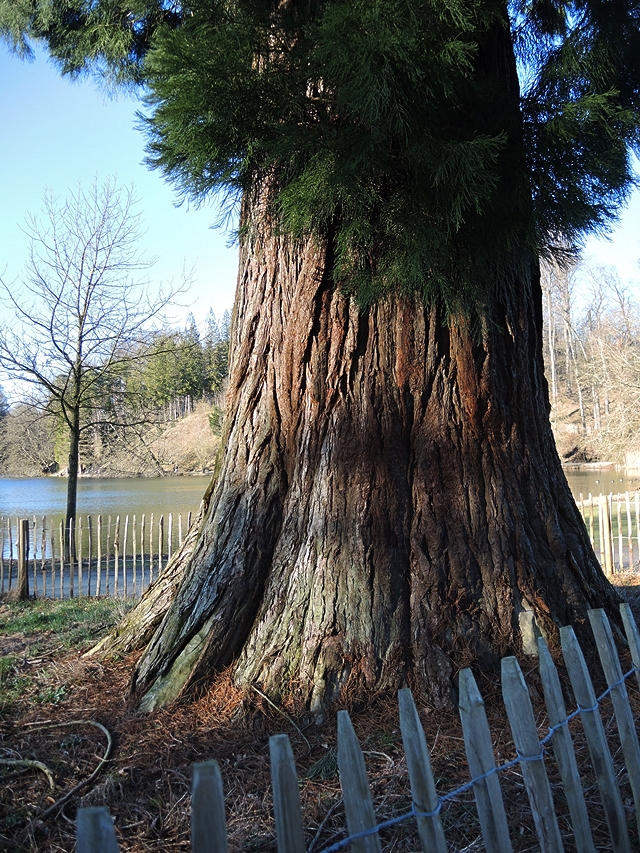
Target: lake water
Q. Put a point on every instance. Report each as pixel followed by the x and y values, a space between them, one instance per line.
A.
pixel 600 481
pixel 26 497
pixel 179 496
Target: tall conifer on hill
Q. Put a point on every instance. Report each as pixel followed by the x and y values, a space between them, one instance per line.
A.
pixel 390 501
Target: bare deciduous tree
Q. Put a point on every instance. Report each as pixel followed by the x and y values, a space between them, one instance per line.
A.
pixel 79 312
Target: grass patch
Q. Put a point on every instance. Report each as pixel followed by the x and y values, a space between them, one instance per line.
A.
pixel 36 635
pixel 68 623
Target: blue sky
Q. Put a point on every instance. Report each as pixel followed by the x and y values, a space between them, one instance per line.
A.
pixel 55 132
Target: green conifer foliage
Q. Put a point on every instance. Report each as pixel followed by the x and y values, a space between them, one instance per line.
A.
pixel 380 121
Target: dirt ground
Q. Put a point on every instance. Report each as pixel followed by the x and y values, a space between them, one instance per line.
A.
pixel 56 707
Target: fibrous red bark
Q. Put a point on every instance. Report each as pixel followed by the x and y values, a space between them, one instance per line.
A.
pixel 389 502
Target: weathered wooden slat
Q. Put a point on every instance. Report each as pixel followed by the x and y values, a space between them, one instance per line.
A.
pixel 620 700
pixel 124 556
pixel 527 743
pixel 423 787
pixel 286 796
pixel 629 529
pixel 90 532
pixel 620 548
pixel 80 532
pixel 33 538
pixel 134 548
pixel 596 740
pixel 99 567
pixel 43 560
pixel 72 555
pixel 358 802
pixel 160 541
pixel 151 548
pixel 61 537
pixel 479 749
pixel 95 832
pixel 208 826
pixel 116 556
pixel 633 636
pixel 563 751
pixel 142 528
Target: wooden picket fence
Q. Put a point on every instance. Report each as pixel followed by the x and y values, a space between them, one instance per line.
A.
pixel 613 522
pixel 114 555
pixel 96 834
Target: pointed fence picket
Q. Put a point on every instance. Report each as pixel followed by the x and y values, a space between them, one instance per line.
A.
pixel 96 834
pixel 111 562
pixel 613 524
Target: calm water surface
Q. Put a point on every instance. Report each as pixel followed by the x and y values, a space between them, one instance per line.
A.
pixel 26 497
pixel 600 481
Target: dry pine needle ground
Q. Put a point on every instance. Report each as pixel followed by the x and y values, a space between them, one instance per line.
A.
pixel 45 684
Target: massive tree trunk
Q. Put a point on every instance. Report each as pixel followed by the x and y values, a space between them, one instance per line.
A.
pixel 390 500
pixel 390 503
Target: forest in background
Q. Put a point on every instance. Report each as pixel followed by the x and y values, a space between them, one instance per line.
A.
pixel 161 415
pixel 170 409
pixel 592 363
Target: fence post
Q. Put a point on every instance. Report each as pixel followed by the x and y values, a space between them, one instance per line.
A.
pixel 21 591
pixel 633 636
pixel 637 506
pixel 90 536
pixel 142 527
pixel 35 561
pixel 563 750
pixel 2 554
pixel 208 827
pixel 606 539
pixel 80 556
pixel 479 748
pixel 629 529
pixel 134 544
pixel 286 797
pixel 61 538
pixel 43 559
pixel 151 548
pixel 116 555
pixel 423 787
pixel 358 802
pixel 596 740
pixel 620 548
pixel 95 832
pixel 99 566
pixel 124 555
pixel 72 553
pixel 620 700
pixel 525 737
pixel 10 551
pixel 160 538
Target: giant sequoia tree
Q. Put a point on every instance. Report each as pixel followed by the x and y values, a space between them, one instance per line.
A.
pixel 390 501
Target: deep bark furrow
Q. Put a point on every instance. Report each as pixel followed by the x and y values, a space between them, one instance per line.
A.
pixel 389 501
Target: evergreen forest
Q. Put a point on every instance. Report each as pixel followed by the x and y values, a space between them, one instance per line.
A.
pixel 174 373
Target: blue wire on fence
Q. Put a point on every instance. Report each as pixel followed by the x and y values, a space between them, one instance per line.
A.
pixel 414 812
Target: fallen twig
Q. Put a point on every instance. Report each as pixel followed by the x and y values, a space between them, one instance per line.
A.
pixel 25 762
pixel 318 834
pixel 284 714
pixel 90 778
